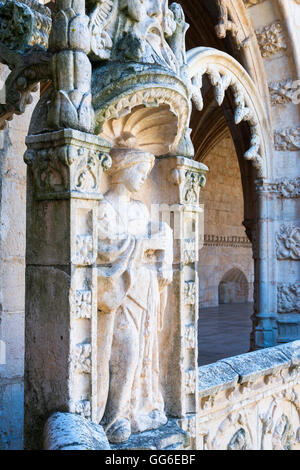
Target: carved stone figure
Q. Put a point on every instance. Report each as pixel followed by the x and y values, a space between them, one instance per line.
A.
pixel 134 269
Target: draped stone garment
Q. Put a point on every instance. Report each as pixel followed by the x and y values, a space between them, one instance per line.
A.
pixel 130 304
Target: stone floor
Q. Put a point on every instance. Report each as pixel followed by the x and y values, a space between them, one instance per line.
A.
pixel 224 331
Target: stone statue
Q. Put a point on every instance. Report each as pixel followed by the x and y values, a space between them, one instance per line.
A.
pixel 135 259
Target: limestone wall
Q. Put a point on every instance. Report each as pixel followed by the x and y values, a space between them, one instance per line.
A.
pixel 251 402
pixel 12 278
pixel 226 245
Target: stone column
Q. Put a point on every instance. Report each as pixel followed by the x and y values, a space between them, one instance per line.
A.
pixel 63 190
pixel 64 174
pixel 182 178
pixel 264 333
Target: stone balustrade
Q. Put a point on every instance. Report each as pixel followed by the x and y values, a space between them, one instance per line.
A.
pixel 251 401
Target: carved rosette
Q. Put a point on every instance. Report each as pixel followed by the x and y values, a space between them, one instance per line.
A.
pixel 81 304
pixel 288 243
pixel 271 39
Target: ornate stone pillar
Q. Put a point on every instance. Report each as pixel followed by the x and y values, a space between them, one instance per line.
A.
pixel 63 190
pixel 64 173
pixel 264 333
pixel 185 178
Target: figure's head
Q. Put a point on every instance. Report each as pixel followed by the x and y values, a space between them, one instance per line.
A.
pixel 130 167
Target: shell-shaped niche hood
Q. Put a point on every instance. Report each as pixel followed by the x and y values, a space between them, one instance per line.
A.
pixel 147 102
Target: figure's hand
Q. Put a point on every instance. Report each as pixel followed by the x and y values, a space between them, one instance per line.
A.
pixel 165 277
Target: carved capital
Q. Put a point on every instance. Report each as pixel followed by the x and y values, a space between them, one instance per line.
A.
pixel 190 177
pixel 67 163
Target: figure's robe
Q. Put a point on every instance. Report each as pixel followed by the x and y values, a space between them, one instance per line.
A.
pixel 132 255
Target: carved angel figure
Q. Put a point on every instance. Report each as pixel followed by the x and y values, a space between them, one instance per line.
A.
pixel 134 269
pixel 145 27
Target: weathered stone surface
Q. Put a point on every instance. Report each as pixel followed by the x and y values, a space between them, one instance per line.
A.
pixel 130 313
pixel 216 377
pixel 261 412
pixel 250 366
pixel 168 437
pixel 67 431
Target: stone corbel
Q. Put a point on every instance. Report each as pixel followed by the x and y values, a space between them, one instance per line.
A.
pixel 226 23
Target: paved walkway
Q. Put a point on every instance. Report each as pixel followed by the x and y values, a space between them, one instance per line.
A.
pixel 224 331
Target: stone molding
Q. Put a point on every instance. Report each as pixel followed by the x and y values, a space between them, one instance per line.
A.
pixel 251 3
pixel 271 39
pixel 285 188
pixel 287 139
pixel 67 431
pixel 230 241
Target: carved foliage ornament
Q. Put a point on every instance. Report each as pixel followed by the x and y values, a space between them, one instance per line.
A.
pixel 82 358
pixel 190 253
pixel 289 188
pixel 24 31
pixel 288 243
pixel 287 139
pixel 81 303
pixel 190 293
pixel 288 297
pixel 60 169
pixel 284 92
pixel 23 25
pixel 194 181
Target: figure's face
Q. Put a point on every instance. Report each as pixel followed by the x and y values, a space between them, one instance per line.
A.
pixel 134 177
